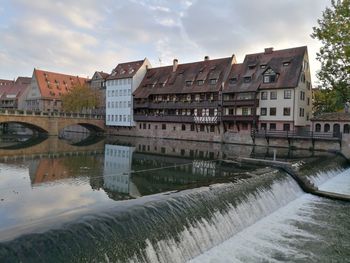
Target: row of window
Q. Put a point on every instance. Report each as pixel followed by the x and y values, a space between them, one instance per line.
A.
pixel 120 104
pixel 184 127
pixel 117 82
pixel 122 118
pixel 286 111
pixel 336 128
pixel 121 92
pixel 272 126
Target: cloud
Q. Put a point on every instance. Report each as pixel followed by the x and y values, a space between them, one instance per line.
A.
pixel 81 37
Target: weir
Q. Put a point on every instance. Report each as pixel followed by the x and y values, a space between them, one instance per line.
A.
pixel 303 182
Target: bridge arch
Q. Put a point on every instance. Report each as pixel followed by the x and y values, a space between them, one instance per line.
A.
pixel 31 126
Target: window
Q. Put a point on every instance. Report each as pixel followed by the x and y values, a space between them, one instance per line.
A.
pixel 263 111
pixel 262 66
pixel 200 82
pixel 308 101
pixel 212 128
pixel 233 81
pixel 318 127
pixel 302 95
pixel 346 128
pixel 247 79
pixel 327 127
pixel 201 127
pixel 288 94
pixel 149 126
pixel 308 85
pixel 302 78
pixel 183 127
pixel 144 126
pixel 213 81
pixel 273 95
pixel 286 64
pixel 286 111
pixel 264 95
pixel 263 126
pixel 270 76
pixel 272 126
pixel 163 126
pixel 174 128
pixel 188 83
pixel 245 111
pixel 301 112
pixel 272 111
pixel 192 127
pixel 286 127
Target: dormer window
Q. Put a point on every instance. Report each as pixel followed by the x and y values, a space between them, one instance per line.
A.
pixel 233 80
pixel 263 66
pixel 247 79
pixel 213 81
pixel 188 83
pixel 251 66
pixel 270 76
pixel 286 63
pixel 200 82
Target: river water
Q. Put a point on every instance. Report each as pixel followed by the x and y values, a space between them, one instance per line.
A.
pixel 142 200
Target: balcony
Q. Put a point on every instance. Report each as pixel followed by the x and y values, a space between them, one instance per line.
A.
pixel 231 118
pixel 164 118
pixel 177 105
pixel 251 102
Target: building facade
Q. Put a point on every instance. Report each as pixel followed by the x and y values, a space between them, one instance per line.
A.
pixel 13 93
pixel 98 84
pixel 120 85
pixel 46 89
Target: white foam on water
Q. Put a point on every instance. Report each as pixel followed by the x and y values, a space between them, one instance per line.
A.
pixel 338 184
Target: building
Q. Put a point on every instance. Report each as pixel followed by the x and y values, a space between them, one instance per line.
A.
pixel 120 85
pixel 46 89
pixel 220 100
pixel 98 85
pixel 332 122
pixel 13 93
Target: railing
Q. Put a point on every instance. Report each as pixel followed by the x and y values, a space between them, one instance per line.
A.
pixel 250 102
pixel 297 134
pixel 231 118
pixel 177 104
pixel 50 114
pixel 164 118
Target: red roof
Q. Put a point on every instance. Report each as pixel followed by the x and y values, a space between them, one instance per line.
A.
pixel 14 89
pixel 126 70
pixel 53 85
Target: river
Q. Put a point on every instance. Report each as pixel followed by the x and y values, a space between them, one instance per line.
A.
pixel 141 200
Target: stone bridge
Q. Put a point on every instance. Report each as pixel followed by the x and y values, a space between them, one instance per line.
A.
pixel 52 123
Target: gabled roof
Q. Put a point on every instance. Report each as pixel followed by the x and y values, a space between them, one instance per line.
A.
pixel 126 70
pixel 254 65
pixel 164 80
pixel 52 85
pixel 16 88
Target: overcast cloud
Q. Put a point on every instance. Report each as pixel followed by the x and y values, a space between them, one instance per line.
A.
pixel 79 37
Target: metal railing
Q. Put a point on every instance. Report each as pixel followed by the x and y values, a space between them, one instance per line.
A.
pixel 296 134
pixel 50 114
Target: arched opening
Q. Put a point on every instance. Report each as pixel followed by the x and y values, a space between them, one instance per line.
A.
pixel 327 127
pixel 336 129
pixel 318 127
pixel 19 130
pixel 346 128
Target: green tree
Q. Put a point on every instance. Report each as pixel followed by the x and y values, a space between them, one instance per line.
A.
pixel 80 99
pixel 333 31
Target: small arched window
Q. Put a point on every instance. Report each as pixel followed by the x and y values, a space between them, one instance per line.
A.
pixel 336 128
pixel 327 127
pixel 318 127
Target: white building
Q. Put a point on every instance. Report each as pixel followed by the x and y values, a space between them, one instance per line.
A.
pixel 120 85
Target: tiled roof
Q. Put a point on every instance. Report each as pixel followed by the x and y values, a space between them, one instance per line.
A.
pixel 53 85
pixel 103 74
pixel 332 116
pixel 185 78
pixel 126 70
pixel 16 88
pixel 254 65
pixel 5 82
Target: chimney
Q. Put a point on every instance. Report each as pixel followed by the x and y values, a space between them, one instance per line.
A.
pixel 206 58
pixel 269 50
pixel 175 62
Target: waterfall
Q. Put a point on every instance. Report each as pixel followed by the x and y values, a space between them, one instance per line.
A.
pixel 173 228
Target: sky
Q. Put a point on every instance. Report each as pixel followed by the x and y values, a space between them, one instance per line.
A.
pixel 79 37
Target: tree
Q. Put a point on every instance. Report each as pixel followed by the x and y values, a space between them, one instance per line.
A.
pixel 80 99
pixel 334 33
